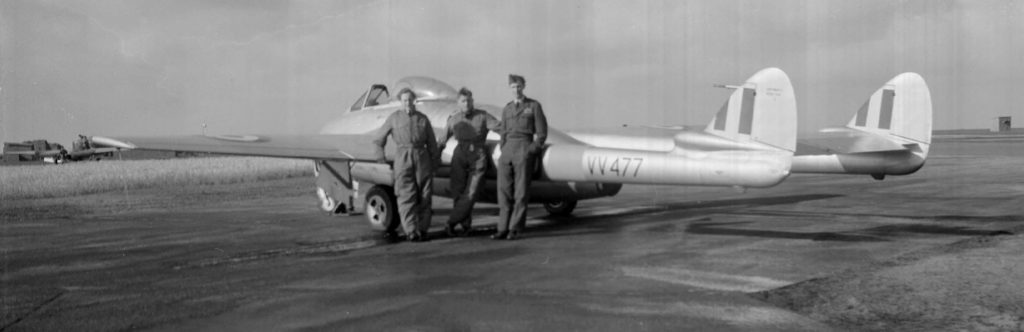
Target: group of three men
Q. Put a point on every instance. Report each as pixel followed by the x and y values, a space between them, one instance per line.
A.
pixel 523 130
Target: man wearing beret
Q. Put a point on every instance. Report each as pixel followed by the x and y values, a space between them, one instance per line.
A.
pixel 523 130
pixel 415 155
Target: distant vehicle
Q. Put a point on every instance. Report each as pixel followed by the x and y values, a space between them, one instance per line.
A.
pixel 41 150
pixel 34 150
pixel 84 149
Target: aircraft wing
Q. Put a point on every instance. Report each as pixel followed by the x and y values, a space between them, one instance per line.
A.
pixel 328 147
pixel 847 141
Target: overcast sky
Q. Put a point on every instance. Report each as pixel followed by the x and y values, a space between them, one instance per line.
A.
pixel 140 67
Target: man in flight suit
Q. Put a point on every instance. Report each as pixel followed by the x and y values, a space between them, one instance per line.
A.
pixel 469 161
pixel 521 120
pixel 416 155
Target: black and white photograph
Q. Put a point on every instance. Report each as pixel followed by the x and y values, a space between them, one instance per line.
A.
pixel 516 165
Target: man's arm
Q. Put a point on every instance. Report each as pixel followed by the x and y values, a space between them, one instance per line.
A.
pixel 447 134
pixel 501 127
pixel 491 123
pixel 435 153
pixel 380 138
pixel 540 124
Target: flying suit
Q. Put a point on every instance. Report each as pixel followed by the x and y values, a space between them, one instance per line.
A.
pixel 415 159
pixel 521 120
pixel 469 161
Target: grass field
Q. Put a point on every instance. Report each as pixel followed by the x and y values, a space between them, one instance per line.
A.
pixel 93 177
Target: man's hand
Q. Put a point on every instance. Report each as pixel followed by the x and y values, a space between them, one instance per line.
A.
pixel 535 148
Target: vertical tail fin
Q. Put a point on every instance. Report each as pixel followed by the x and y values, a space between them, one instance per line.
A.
pixel 900 110
pixel 762 110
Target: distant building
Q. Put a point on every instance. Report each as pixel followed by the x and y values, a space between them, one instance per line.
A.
pixel 1002 124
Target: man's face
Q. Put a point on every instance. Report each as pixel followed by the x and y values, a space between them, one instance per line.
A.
pixel 465 103
pixel 408 101
pixel 517 89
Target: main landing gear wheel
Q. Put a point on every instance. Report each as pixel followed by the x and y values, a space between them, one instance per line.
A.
pixel 381 207
pixel 560 208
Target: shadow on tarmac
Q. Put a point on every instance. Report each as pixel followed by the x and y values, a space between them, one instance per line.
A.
pixel 874 234
pixel 942 218
pixel 604 223
pixel 716 229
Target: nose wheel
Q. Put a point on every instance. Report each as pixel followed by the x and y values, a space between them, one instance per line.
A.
pixel 327 203
pixel 560 208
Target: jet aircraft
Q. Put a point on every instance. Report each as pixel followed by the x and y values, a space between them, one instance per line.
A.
pixel 750 143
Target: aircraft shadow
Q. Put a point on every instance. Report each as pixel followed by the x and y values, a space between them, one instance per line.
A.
pixel 933 230
pixel 717 229
pixel 604 223
pixel 477 211
pixel 927 218
pixel 752 202
pixel 874 234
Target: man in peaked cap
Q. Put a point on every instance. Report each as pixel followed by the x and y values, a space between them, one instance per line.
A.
pixel 523 130
pixel 469 126
pixel 415 155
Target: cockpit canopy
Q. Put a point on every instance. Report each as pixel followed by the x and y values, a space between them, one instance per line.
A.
pixel 378 95
pixel 426 88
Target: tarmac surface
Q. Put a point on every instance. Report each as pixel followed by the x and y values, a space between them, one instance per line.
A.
pixel 262 257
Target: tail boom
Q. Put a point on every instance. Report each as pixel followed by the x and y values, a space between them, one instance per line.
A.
pixel 755 169
pixel 874 163
pixel 889 135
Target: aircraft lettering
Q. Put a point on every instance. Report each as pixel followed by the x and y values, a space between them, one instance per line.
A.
pixel 620 166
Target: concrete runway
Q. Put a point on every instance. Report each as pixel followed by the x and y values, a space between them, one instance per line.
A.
pixel 262 257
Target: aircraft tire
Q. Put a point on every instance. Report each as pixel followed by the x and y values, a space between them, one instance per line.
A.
pixel 381 207
pixel 327 203
pixel 560 208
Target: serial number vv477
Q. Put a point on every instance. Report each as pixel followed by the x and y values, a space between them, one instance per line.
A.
pixel 618 166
